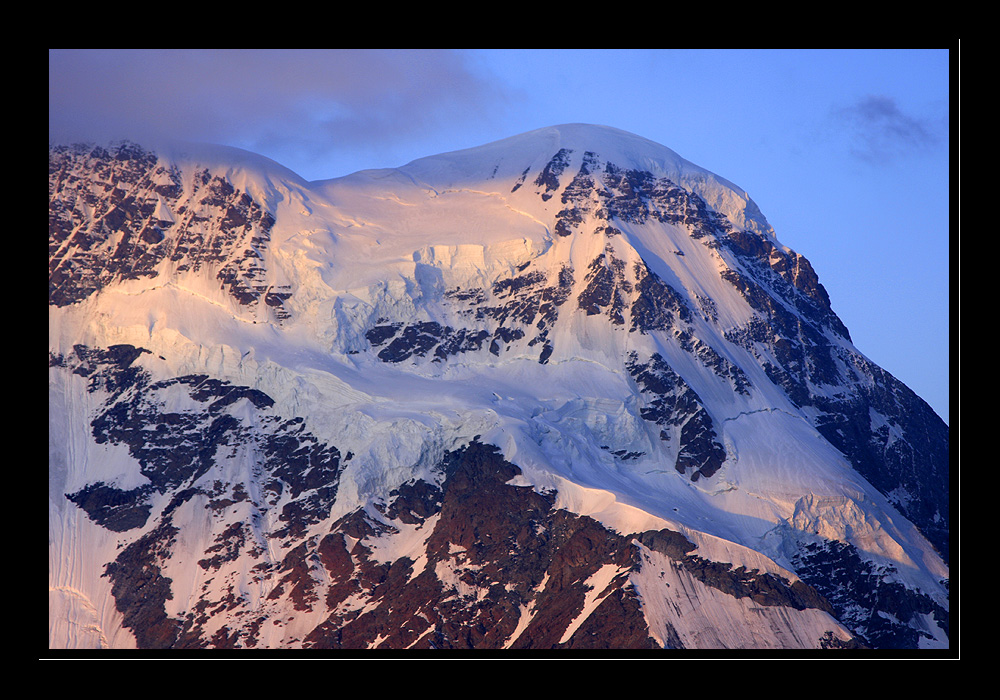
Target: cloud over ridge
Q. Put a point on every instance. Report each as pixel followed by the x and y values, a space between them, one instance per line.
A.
pixel 304 99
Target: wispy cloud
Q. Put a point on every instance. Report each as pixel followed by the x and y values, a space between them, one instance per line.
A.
pixel 880 131
pixel 312 100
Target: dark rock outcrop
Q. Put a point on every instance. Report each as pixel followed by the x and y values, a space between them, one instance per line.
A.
pixel 118 213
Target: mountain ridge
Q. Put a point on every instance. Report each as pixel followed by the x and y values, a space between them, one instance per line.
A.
pixel 615 338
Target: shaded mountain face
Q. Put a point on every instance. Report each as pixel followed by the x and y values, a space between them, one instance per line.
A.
pixel 563 391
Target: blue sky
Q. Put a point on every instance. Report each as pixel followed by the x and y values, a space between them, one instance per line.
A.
pixel 847 152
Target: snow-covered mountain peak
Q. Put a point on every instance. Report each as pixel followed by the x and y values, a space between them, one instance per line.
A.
pixel 507 158
pixel 513 379
pixel 567 148
pixel 521 196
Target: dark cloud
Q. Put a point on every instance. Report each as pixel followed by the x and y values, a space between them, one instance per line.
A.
pixel 880 131
pixel 264 99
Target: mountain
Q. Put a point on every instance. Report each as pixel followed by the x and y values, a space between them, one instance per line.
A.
pixel 561 391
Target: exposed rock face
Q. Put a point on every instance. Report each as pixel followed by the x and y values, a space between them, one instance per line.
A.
pixel 863 595
pixel 119 214
pixel 673 404
pixel 909 464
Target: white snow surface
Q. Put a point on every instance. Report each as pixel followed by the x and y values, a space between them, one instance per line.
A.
pixel 387 244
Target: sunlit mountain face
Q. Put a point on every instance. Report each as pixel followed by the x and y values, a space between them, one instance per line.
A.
pixel 562 391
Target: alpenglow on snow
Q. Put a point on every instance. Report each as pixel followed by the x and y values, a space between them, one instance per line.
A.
pixel 561 391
